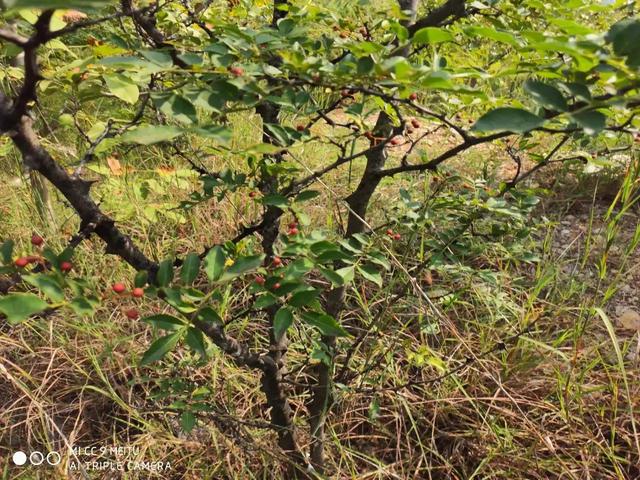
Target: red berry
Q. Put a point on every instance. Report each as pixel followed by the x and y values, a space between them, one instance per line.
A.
pixel 259 279
pixel 277 261
pixel 21 262
pixel 415 123
pixel 293 231
pixel 237 71
pixel 37 240
pixel 276 286
pixel 413 97
pixel 66 266
pixel 138 292
pixel 252 194
pixel 397 236
pixel 395 141
pixel 293 224
pixel 389 231
pixel 119 287
pixel 132 314
pixel 300 128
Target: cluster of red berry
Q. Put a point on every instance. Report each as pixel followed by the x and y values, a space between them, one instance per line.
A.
pixel 120 288
pixel 293 228
pixel 65 266
pixel 277 261
pixel 38 241
pixel 392 234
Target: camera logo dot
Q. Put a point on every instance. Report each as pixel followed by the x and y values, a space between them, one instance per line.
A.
pixel 36 458
pixel 19 458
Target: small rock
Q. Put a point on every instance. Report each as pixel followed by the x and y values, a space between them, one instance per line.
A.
pixel 630 320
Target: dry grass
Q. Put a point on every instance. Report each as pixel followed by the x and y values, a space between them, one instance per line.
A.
pixel 552 404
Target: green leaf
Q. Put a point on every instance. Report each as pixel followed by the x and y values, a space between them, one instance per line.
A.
pixel 6 250
pixel 571 27
pixel 63 4
pixel 165 273
pixel 190 268
pixel 158 57
pixel 164 321
pixel 325 323
pixel 365 65
pixel 431 35
pixel 241 266
pixel 275 200
pixel 371 273
pixel 347 273
pixel 303 298
pixel 279 134
pixel 83 306
pixel 214 263
pixel 379 259
pixel 508 119
pixel 578 90
pixel 306 195
pixel 335 279
pixel 160 348
pixel 281 322
pixel 195 340
pixel 20 306
pixel 176 107
pixel 625 36
pixel 546 95
pixel 187 421
pixel 333 255
pixel 140 279
pixel 209 315
pixel 265 300
pixel 131 63
pixel 173 296
pixel 493 34
pixel 593 122
pixel 218 133
pixel 148 135
pixel 122 87
pixel 47 285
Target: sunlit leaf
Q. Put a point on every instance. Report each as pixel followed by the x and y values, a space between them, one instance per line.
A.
pixel 20 306
pixel 282 321
pixel 508 119
pixel 160 348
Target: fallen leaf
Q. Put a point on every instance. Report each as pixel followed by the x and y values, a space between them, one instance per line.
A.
pixel 114 165
pixel 166 170
pixel 94 42
pixel 71 16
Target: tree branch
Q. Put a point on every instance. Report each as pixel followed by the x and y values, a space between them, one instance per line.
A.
pixel 437 16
